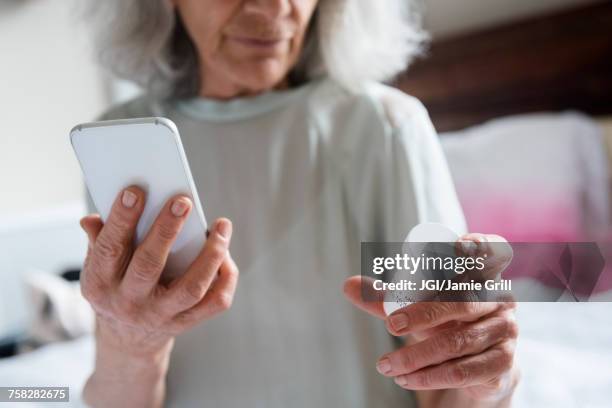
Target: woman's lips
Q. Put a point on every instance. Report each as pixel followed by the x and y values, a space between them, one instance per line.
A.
pixel 259 43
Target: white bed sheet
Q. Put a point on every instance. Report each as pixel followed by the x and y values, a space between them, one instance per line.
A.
pixel 565 355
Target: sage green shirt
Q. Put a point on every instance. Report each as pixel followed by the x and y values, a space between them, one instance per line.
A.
pixel 305 175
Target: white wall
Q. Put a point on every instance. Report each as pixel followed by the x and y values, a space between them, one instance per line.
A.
pixel 445 17
pixel 48 83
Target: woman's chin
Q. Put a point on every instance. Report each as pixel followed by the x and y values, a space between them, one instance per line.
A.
pixel 262 80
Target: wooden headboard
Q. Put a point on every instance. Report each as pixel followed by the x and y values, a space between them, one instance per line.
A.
pixel 549 63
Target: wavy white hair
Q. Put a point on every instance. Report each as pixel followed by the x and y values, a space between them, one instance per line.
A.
pixel 352 41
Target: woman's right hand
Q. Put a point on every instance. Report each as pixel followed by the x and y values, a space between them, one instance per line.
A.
pixel 137 316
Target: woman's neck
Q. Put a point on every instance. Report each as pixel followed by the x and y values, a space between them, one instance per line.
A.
pixel 219 86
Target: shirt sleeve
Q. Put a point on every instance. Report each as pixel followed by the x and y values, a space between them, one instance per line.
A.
pixel 399 177
pixel 419 146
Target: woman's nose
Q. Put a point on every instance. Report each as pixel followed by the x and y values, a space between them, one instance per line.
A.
pixel 272 9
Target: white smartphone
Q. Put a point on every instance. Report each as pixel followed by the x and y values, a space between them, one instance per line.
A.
pixel 147 153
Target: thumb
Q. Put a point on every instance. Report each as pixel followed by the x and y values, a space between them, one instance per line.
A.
pixel 360 292
pixel 92 225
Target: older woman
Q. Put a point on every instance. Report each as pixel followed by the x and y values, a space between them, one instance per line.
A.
pixel 290 136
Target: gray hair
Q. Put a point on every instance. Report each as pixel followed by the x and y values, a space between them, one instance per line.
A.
pixel 351 41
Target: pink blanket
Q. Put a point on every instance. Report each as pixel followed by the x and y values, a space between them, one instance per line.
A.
pixel 534 178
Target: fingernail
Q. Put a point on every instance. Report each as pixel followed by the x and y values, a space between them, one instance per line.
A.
pixel 384 366
pixel 179 207
pixel 224 228
pixel 128 199
pixel 468 247
pixel 401 381
pixel 398 321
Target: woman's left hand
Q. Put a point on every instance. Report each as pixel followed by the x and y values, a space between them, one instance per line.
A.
pixel 466 346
